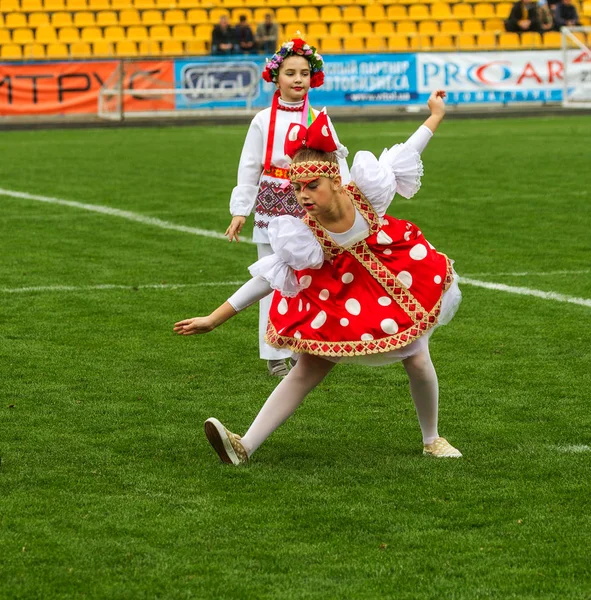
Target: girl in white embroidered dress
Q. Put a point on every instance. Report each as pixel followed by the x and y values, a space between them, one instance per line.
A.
pixel 263 186
pixel 296 248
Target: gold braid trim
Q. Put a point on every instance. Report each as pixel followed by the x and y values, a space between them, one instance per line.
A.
pixel 313 168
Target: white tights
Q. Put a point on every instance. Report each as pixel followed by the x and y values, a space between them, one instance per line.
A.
pixel 311 370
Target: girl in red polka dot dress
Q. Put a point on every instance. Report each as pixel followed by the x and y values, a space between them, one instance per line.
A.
pixel 351 284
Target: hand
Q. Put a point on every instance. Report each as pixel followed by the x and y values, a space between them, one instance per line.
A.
pixel 524 23
pixel 436 104
pixel 194 325
pixel 235 228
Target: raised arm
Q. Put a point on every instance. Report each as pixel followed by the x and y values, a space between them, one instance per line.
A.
pixel 420 138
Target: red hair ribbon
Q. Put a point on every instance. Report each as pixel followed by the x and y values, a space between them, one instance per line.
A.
pixel 318 136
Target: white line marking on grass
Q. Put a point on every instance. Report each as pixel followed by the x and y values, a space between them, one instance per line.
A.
pixel 86 288
pixel 124 214
pixel 501 287
pixel 530 273
pixel 575 449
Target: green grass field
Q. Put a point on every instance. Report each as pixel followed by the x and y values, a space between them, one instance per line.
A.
pixel 108 488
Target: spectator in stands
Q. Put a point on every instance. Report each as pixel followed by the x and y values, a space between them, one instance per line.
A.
pixel 545 16
pixel 244 37
pixel 523 17
pixel 565 15
pixel 267 34
pixel 222 38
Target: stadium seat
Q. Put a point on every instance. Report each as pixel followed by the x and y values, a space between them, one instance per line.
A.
pixel 97 5
pixel 362 29
pixel 197 16
pixel 503 9
pixel 174 17
pixel 203 32
pixel 420 42
pixel 31 5
pixel 494 25
pixel 144 4
pixel 102 48
pixel 76 5
pixel 396 12
pixel 216 13
pixel 441 11
pixel 340 29
pixel 68 35
pixel 353 13
pixel 586 9
pixel 552 39
pixel 308 14
pixel 183 33
pixel 62 19
pixel 465 41
pixel 91 34
pixel 38 19
pixel 286 14
pixel 398 43
pixel 129 17
pixel 51 5
pixel 331 44
pixel 23 36
pixel 80 50
pixel 385 28
pixel 258 14
pixel 353 44
pixel 4 36
pixel 136 33
pixel 197 47
pixel 418 12
pixel 428 27
pixel 14 20
pixel 186 4
pixel 484 10
pixel 114 33
pixel 57 50
pixel 84 19
pixel 165 4
pixel 34 51
pixel 149 48
pixel 11 51
pixel 236 13
pixel 407 27
pixel 442 41
pixel 451 27
pixel 317 30
pixel 375 43
pixel 104 18
pixel 151 17
pixel 172 48
pixel 531 39
pixel 375 12
pixel 126 48
pixel 462 11
pixel 330 14
pixel 159 33
pixel 9 6
pixel 291 29
pixel 472 26
pixel 509 41
pixel 121 5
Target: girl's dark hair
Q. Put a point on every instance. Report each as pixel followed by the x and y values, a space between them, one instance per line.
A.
pixel 308 154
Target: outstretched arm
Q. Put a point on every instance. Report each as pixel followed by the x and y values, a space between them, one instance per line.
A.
pixel 421 137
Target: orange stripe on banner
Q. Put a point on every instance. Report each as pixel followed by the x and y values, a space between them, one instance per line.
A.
pixel 73 87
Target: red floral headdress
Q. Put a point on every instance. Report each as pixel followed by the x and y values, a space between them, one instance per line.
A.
pixel 296 47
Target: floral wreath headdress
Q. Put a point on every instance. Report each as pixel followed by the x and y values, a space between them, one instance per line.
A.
pixel 296 47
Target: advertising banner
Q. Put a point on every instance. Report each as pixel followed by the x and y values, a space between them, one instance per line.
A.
pixel 72 87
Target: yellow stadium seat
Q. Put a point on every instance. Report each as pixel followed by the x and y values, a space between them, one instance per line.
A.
pixel 300 2
pixel 125 48
pixel 129 17
pixel 54 5
pixel 102 48
pixel 121 5
pixel 385 28
pixel 4 36
pixel 450 27
pixel 203 32
pixel 331 44
pixel 291 30
pixel 91 34
pixel 31 5
pixel 552 39
pixel 38 19
pixel 362 29
pixel 587 9
pixel 503 9
pixel 68 35
pixel 236 13
pixel 531 39
pixel 375 43
pixel 308 14
pixel 9 6
pixel 317 30
pixel 408 27
pixel 494 25
pixel 428 27
pixel 187 4
pixel 174 17
pixel 11 51
pixel 143 4
pixel 34 51
pixel 135 33
pixel 165 4
pixel 462 11
pixel 509 41
pixel 276 3
pixel 216 13
pixel 375 12
pixel 99 5
pixel 57 50
pixel 197 16
pixel 340 29
pixel 330 14
pixel 442 41
pixel 76 5
pixel 62 19
pixel 418 12
pixel 172 48
pixel 14 20
pixel 84 19
pixel 197 47
pixel 114 33
pixel 104 18
pixel 396 12
pixel 441 11
pixel 151 17
pixel 160 33
pixel 465 41
pixel 286 14
pixel 80 50
pixel 182 33
pixel 23 35
pixel 472 26
pixel 484 10
pixel 258 14
pixel 353 13
pixel 149 48
pixel 398 43
pixel 354 44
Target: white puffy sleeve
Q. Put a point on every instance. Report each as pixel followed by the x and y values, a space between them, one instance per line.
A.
pixel 250 168
pixel 398 170
pixel 295 248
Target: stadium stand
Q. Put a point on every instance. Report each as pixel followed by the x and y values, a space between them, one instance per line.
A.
pixel 49 29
